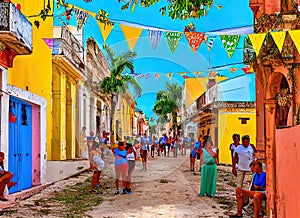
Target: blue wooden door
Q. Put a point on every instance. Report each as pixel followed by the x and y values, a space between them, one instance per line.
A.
pixel 20 144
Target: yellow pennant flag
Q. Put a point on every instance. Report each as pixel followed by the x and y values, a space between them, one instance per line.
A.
pixel 257 41
pixel 295 34
pixel 131 34
pixel 279 38
pixel 105 30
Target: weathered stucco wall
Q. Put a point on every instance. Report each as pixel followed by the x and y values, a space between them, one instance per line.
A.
pixel 287 176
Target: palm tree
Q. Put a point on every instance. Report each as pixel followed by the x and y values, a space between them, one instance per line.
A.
pixel 169 102
pixel 121 70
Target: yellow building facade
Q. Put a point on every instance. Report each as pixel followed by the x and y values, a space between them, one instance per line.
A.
pixel 242 122
pixel 67 71
pixel 34 72
pixel 124 116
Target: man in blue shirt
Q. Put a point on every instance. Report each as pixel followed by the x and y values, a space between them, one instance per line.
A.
pixel 257 191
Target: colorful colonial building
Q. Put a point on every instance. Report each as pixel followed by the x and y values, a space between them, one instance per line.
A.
pixel 278 102
pixel 226 108
pixel 26 91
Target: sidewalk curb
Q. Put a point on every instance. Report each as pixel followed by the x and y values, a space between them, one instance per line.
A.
pixel 32 191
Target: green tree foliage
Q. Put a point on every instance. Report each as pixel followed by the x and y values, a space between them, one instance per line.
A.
pixel 176 9
pixel 168 102
pixel 121 70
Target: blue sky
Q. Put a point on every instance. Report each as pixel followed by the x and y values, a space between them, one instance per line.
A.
pixel 162 60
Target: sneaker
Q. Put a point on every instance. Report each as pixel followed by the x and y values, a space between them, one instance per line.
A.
pixel 127 191
pixel 117 192
pixel 200 195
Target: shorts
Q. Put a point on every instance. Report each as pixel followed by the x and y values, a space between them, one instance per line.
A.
pixel 244 178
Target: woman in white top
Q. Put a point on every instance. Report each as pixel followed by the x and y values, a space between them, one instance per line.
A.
pixel 131 157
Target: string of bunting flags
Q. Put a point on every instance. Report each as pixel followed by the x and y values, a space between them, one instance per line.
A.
pixel 194 38
pixel 211 73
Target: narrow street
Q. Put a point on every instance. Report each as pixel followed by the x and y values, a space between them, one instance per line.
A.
pixel 167 189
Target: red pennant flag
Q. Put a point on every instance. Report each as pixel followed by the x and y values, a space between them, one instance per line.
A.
pixel 195 39
pixel 246 69
pixel 185 77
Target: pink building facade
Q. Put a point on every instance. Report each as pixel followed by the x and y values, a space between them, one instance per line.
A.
pixel 278 107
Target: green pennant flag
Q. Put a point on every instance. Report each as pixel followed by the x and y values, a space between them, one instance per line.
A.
pixel 230 43
pixel 173 39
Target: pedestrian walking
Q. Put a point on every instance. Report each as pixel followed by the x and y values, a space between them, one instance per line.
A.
pixel 193 159
pixel 175 147
pixel 153 146
pixel 97 165
pixel 90 140
pixel 209 170
pixel 83 147
pixel 242 158
pixel 144 153
pixel 121 166
pixel 232 146
pixel 131 157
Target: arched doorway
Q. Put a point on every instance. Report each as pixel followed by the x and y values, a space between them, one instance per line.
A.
pixel 283 98
pixel 277 112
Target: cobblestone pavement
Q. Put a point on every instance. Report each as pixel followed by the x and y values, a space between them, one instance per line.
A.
pixel 167 189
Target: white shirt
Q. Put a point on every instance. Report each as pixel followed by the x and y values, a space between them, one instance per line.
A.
pixel 246 156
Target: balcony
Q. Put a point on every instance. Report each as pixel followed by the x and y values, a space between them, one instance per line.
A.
pixel 68 50
pixel 15 34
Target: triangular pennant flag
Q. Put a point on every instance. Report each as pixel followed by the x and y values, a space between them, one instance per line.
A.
pixel 279 38
pixel 233 69
pixel 230 43
pixel 157 75
pixel 195 39
pixel 131 34
pixel 295 34
pixel 185 77
pixel 169 75
pixel 213 74
pixel 181 73
pixel 209 41
pixel 173 39
pixel 257 41
pixel 81 17
pixel 49 42
pixel 155 36
pixel 197 73
pixel 105 30
pixel 246 69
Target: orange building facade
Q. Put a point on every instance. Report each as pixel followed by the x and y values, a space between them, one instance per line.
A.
pixel 278 105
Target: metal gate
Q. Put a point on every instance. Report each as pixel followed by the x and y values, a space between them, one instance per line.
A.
pixel 20 144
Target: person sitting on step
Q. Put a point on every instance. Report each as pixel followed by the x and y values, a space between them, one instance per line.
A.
pixel 257 192
pixel 5 178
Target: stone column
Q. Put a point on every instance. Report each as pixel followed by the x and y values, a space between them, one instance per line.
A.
pixel 270 112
